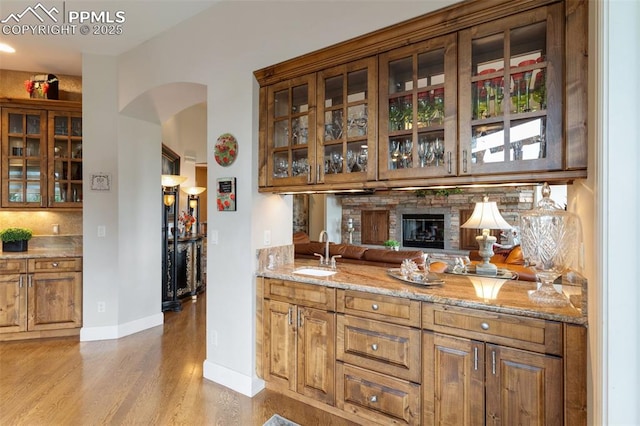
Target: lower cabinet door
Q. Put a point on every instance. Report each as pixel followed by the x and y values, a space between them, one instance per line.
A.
pixel 280 343
pixel 54 300
pixel 453 380
pixel 523 388
pixel 379 398
pixel 12 304
pixel 316 354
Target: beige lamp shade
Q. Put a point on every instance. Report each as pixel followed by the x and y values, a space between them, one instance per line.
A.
pixel 486 216
pixel 487 288
pixel 193 190
pixel 170 181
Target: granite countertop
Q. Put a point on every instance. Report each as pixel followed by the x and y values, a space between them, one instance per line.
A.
pixel 39 252
pixel 48 246
pixel 456 291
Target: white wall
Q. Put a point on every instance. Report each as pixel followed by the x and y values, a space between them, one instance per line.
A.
pixel 617 319
pixel 120 269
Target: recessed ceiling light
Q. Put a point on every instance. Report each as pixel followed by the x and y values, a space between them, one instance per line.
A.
pixel 6 48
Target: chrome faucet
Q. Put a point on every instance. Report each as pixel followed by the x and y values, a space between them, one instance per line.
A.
pixel 324 238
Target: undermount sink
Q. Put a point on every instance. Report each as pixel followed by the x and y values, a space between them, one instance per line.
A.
pixel 316 272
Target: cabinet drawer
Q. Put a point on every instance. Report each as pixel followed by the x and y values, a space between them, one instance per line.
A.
pixel 314 296
pixel 55 264
pixel 13 266
pixel 376 397
pixel 509 330
pixel 386 348
pixel 396 310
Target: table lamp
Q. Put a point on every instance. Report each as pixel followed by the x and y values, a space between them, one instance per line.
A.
pixel 486 216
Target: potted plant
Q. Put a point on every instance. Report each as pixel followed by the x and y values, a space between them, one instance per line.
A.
pixel 15 239
pixel 392 245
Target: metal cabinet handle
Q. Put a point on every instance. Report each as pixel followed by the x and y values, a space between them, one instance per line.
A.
pixel 309 175
pixel 493 362
pixel 464 161
pixel 374 306
pixel 450 168
pixel 20 281
pixel 484 326
pixel 374 347
pixel 475 358
pixel 30 281
pixel 289 315
pixel 300 321
pixel 55 264
pixel 373 399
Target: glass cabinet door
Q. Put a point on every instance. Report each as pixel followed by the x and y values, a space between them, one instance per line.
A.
pixel 65 159
pixel 510 100
pixel 291 132
pixel 418 110
pixel 23 154
pixel 346 115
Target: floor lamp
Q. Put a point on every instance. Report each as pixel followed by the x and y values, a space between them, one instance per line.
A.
pixel 193 203
pixel 170 199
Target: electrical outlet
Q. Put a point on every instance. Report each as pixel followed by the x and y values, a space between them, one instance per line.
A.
pixel 102 307
pixel 214 236
pixel 102 231
pixel 213 338
pixel 267 237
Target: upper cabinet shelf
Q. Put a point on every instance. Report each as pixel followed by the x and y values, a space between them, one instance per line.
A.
pixel 471 94
pixel 511 94
pixel 41 163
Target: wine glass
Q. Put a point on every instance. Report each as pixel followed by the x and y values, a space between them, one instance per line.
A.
pixel 550 242
pixel 422 152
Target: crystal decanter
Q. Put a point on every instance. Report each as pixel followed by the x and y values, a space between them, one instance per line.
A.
pixel 550 241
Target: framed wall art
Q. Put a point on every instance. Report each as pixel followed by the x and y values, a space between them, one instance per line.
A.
pixel 101 182
pixel 226 194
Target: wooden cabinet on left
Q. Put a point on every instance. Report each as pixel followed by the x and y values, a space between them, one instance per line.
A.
pixel 299 339
pixel 40 298
pixel 41 163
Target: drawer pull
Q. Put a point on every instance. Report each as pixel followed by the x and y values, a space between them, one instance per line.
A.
pixel 374 347
pixel 373 399
pixel 54 264
pixel 375 307
pixel 484 326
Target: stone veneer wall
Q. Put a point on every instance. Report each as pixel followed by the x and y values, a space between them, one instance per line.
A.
pixel 511 201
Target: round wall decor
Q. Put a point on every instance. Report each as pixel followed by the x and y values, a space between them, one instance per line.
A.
pixel 226 149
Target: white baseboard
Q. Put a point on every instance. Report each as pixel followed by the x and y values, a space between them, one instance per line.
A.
pixel 88 334
pixel 245 385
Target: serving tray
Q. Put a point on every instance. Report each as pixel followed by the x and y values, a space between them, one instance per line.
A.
pixel 429 280
pixel 502 273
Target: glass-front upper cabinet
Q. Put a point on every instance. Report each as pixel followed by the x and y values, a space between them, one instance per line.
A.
pixel 291 132
pixel 24 142
pixel 65 159
pixel 511 94
pixel 346 117
pixel 418 90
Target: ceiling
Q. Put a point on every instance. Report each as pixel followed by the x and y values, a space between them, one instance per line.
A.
pixel 61 54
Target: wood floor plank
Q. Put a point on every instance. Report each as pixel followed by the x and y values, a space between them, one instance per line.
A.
pixel 150 378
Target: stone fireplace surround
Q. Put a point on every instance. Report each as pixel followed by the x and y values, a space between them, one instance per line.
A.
pixel 511 201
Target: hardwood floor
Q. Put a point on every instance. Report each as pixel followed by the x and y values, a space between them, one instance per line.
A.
pixel 150 378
